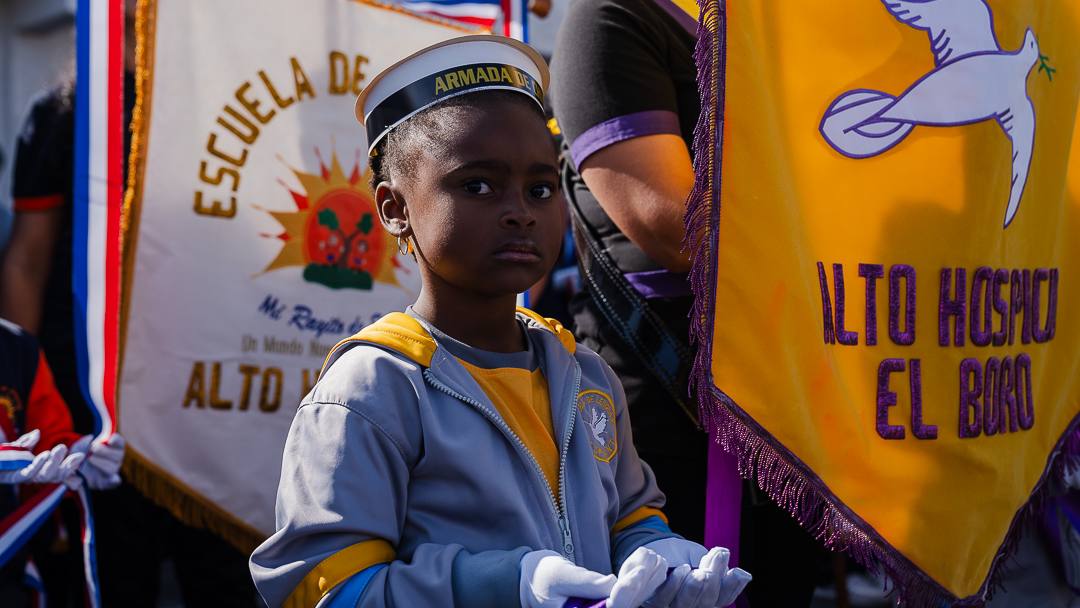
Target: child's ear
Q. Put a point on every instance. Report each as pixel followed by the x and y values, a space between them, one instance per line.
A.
pixel 393 213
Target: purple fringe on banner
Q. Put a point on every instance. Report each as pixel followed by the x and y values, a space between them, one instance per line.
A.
pixel 777 471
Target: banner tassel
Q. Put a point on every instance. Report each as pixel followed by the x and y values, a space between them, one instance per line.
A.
pixel 170 494
pixel 784 478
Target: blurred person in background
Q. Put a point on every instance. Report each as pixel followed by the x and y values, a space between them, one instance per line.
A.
pixel 134 535
pixel 36 294
pixel 35 419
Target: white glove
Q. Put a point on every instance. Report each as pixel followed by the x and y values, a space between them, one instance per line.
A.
pixel 639 577
pixel 734 579
pixel 678 551
pixel 683 555
pixel 60 467
pixel 711 585
pixel 50 466
pixel 666 593
pixel 549 579
pixel 25 443
pixel 102 467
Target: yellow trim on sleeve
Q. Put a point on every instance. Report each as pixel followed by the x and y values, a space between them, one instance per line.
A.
pixel 403 334
pixel 335 569
pixel 636 516
pixel 555 327
pixel 396 331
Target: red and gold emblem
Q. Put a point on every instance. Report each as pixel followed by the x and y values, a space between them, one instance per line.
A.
pixel 334 233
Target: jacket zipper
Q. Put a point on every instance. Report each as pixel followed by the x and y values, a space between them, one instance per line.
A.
pixel 568 541
pixel 558 506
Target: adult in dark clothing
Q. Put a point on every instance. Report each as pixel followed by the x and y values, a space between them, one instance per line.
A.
pixel 133 534
pixel 35 419
pixel 624 89
pixel 36 293
pixel 35 279
pixel 29 402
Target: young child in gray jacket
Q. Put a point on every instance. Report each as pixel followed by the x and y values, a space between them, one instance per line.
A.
pixel 467 452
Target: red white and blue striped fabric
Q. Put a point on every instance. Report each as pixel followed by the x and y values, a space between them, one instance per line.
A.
pixel 93 593
pixel 13 458
pixel 20 524
pixel 96 276
pixel 32 579
pixel 97 204
pixel 98 199
pixel 516 19
pixel 478 13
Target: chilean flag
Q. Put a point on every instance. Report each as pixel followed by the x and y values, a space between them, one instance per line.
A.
pixel 478 13
pixel 96 265
pixel 98 201
pixel 516 19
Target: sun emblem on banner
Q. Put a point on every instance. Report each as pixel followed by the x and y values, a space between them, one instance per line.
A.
pixel 334 233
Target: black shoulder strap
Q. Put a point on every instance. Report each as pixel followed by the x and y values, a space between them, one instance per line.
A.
pixel 666 356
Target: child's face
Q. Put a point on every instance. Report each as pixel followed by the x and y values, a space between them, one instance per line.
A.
pixel 484 205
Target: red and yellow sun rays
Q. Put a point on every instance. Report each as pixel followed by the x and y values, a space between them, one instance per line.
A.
pixel 334 233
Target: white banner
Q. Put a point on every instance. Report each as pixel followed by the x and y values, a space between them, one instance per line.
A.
pixel 253 241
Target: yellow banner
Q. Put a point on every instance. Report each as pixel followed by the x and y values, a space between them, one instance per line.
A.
pixel 894 276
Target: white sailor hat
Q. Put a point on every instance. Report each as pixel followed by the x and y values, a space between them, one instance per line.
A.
pixel 445 70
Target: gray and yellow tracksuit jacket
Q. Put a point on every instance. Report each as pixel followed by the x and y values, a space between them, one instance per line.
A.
pixel 402 485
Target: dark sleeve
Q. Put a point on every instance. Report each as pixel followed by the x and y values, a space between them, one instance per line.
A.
pixel 43 163
pixel 18 367
pixel 610 78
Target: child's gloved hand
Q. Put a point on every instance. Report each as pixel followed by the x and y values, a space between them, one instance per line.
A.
pixel 50 466
pixel 711 585
pixel 549 579
pixel 59 467
pixel 102 467
pixel 26 442
pixel 17 453
pixel 735 581
pixel 639 577
pixel 678 551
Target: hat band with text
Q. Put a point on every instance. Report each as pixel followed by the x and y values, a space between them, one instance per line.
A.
pixel 443 85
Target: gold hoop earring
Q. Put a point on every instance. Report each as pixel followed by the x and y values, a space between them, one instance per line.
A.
pixel 404 246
